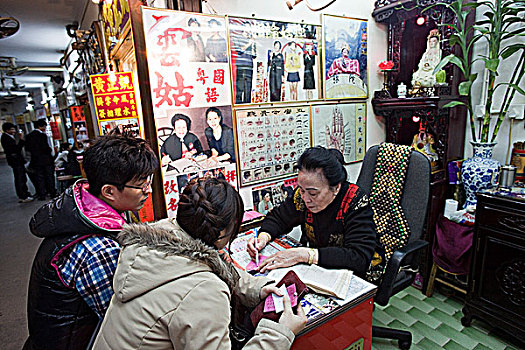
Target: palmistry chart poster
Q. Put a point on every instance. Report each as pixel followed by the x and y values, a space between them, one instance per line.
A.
pixel 274 61
pixel 341 126
pixel 270 140
pixel 345 57
pixel 190 89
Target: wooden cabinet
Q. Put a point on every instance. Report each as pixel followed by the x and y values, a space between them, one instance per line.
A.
pixel 496 289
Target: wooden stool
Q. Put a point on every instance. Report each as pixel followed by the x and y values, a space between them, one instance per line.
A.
pixel 432 279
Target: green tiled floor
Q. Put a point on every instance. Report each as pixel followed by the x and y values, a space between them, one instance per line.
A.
pixel 435 323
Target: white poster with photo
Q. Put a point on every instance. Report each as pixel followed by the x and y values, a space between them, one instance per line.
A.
pixel 341 126
pixel 190 90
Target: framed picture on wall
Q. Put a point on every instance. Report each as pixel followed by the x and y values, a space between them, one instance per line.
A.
pixel 274 61
pixel 341 126
pixel 270 140
pixel 266 197
pixel 345 57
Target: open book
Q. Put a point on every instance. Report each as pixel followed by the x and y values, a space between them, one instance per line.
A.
pixel 324 281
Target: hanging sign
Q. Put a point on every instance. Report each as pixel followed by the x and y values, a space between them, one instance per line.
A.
pixel 115 102
pixel 77 114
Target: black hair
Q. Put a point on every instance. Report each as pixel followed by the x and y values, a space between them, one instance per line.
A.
pixel 331 162
pixel 64 146
pixel 278 42
pixel 208 206
pixel 180 116
pixel 7 126
pixel 40 123
pixel 118 159
pixel 216 110
pixel 193 20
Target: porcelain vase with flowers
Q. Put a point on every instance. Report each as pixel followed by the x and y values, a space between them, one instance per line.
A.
pixel 480 171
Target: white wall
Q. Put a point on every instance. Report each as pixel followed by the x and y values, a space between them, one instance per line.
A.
pixel 506 68
pixel 377 46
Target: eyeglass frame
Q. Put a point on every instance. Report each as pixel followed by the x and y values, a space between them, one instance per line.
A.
pixel 144 188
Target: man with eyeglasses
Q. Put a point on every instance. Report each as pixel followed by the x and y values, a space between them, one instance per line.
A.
pixel 72 274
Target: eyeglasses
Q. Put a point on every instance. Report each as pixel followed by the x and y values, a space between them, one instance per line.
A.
pixel 146 186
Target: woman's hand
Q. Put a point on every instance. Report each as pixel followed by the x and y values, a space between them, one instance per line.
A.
pixel 285 258
pixel 263 239
pixel 269 289
pixel 294 322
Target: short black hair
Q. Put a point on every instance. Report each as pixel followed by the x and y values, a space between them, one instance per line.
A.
pixel 208 206
pixel 118 159
pixel 7 126
pixel 216 110
pixel 180 116
pixel 64 146
pixel 40 123
pixel 331 162
pixel 278 42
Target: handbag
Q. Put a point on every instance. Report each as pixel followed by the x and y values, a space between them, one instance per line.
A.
pixel 290 278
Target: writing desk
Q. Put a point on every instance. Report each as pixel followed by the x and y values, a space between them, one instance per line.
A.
pixel 347 326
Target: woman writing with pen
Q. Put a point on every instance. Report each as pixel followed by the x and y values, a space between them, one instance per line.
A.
pixel 334 215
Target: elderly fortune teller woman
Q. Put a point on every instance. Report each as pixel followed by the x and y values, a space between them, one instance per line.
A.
pixel 334 215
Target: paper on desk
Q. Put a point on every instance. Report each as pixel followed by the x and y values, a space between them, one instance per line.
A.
pixel 253 266
pixel 333 282
pixel 358 287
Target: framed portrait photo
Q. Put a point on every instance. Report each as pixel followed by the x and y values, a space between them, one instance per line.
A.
pixel 345 66
pixel 274 61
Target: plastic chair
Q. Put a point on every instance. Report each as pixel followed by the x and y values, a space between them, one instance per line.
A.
pixel 403 265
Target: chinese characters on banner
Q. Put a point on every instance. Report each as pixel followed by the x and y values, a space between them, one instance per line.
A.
pixel 77 114
pixel 190 89
pixel 341 126
pixel 115 102
pixel 270 141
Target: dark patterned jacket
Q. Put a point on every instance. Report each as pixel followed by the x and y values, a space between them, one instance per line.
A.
pixel 344 232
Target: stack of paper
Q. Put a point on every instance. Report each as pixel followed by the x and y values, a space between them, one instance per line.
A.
pixel 320 280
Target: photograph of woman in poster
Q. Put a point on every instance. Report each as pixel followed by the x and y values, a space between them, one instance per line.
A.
pixel 292 66
pixel 276 71
pixel 265 205
pixel 181 143
pixel 219 136
pixel 216 48
pixel 309 63
pixel 245 47
pixel 343 64
pixel 194 42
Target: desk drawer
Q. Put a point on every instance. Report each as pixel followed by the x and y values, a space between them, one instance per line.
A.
pixel 499 219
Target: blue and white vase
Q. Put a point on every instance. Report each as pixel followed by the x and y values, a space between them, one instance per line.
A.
pixel 479 172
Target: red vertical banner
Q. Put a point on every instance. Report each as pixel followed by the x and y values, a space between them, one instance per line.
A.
pixel 55 130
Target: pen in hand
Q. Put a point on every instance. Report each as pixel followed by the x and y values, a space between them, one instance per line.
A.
pixel 256 249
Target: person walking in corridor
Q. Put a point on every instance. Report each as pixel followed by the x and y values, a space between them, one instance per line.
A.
pixel 15 159
pixel 41 164
pixel 71 279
